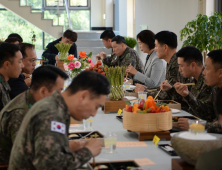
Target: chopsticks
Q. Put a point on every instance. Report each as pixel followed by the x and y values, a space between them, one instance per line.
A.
pixel 188 84
pixel 161 89
pixel 94 161
pixel 127 73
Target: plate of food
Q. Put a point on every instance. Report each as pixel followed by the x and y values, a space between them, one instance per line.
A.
pixel 175 111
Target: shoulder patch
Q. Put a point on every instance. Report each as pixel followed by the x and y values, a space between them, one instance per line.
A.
pixel 58 127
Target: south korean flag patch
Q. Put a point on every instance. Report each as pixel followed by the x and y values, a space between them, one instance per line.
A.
pixel 58 127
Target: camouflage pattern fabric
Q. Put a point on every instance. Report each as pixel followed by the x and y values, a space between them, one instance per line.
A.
pixel 39 146
pixel 4 92
pixel 130 56
pixel 11 118
pixel 172 75
pixel 206 110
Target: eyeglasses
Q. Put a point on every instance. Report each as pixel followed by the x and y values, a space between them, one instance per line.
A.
pixel 33 61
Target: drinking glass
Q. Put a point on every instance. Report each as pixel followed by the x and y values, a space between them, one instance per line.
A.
pixel 142 95
pixel 88 123
pixel 110 142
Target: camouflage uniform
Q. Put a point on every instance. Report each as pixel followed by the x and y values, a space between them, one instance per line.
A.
pixel 11 118
pixel 41 145
pixel 206 110
pixel 199 91
pixel 4 92
pixel 130 56
pixel 172 75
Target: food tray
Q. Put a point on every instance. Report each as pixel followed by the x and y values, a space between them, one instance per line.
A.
pixel 170 152
pixel 116 165
pixel 120 118
pixel 176 105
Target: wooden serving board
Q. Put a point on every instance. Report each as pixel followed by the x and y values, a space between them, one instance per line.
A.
pixel 179 164
pixel 149 135
pixel 114 105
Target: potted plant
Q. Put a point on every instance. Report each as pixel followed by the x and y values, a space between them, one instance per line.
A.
pixel 130 42
pixel 33 38
pixel 205 33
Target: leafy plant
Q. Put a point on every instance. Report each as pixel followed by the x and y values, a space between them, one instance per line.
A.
pixel 33 37
pixel 205 32
pixel 130 42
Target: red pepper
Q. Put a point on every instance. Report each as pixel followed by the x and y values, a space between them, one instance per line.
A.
pixel 142 102
pixel 129 109
pixel 162 110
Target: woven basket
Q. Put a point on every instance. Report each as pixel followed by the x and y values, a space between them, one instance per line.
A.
pixel 150 122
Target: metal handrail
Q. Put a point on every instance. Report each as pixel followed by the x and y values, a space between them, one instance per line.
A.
pixel 67 11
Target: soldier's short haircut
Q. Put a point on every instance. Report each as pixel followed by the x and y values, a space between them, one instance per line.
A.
pixel 71 35
pixel 97 84
pixel 216 57
pixel 24 47
pixel 7 52
pixel 119 39
pixel 147 37
pixel 107 34
pixel 168 38
pixel 190 54
pixel 16 36
pixel 46 76
pixel 12 40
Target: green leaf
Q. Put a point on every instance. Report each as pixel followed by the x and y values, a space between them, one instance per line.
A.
pixel 140 111
pixel 148 109
pixel 128 102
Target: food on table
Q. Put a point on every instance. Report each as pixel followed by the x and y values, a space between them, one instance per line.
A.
pixel 175 119
pixel 101 167
pixel 98 67
pixel 73 136
pixel 196 127
pixel 148 106
pixel 92 136
pixel 172 103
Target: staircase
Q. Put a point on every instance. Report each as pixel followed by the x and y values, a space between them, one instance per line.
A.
pixel 91 42
pixel 36 19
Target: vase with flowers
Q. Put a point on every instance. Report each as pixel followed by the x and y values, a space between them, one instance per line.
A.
pixel 75 66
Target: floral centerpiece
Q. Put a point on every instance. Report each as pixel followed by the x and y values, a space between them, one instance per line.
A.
pixel 75 66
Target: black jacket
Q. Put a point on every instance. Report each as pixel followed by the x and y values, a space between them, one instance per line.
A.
pixel 51 51
pixel 17 86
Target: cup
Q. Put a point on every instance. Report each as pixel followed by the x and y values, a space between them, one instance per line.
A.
pixel 142 95
pixel 197 126
pixel 88 123
pixel 110 142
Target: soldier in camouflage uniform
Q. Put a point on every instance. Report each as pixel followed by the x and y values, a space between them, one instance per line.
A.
pixel 124 55
pixel 206 110
pixel 49 78
pixel 165 47
pixel 10 67
pixel 42 140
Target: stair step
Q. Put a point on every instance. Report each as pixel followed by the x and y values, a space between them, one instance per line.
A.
pixel 89 43
pixel 89 35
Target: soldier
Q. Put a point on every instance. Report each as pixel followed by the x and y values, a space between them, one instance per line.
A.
pixel 42 140
pixel 23 82
pixel 10 67
pixel 107 37
pixel 165 47
pixel 213 77
pixel 125 56
pixel 190 65
pixel 46 79
pixel 212 159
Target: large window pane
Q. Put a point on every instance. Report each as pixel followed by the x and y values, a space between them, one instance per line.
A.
pixel 54 3
pixel 1 7
pixel 36 4
pixel 80 19
pixel 14 24
pixel 78 2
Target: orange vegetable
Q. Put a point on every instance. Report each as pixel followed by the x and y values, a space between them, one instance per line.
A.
pixel 149 97
pixel 167 108
pixel 135 107
pixel 127 106
pixel 135 110
pixel 158 109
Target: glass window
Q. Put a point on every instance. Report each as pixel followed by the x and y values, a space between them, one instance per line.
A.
pixel 78 3
pixel 80 19
pixel 1 7
pixel 54 3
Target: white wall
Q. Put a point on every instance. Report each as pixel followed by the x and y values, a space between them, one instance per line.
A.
pixel 161 15
pixel 98 9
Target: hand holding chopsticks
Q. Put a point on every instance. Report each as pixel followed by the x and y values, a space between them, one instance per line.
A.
pixel 160 90
pixel 182 89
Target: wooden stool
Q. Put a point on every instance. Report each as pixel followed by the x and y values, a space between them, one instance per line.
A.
pixel 4 166
pixel 149 135
pixel 179 164
pixel 114 105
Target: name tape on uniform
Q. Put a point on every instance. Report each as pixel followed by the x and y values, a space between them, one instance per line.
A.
pixel 58 127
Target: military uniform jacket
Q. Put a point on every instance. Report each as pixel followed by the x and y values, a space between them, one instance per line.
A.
pixel 206 110
pixel 130 56
pixel 199 91
pixel 42 140
pixel 11 118
pixel 4 92
pixel 172 75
